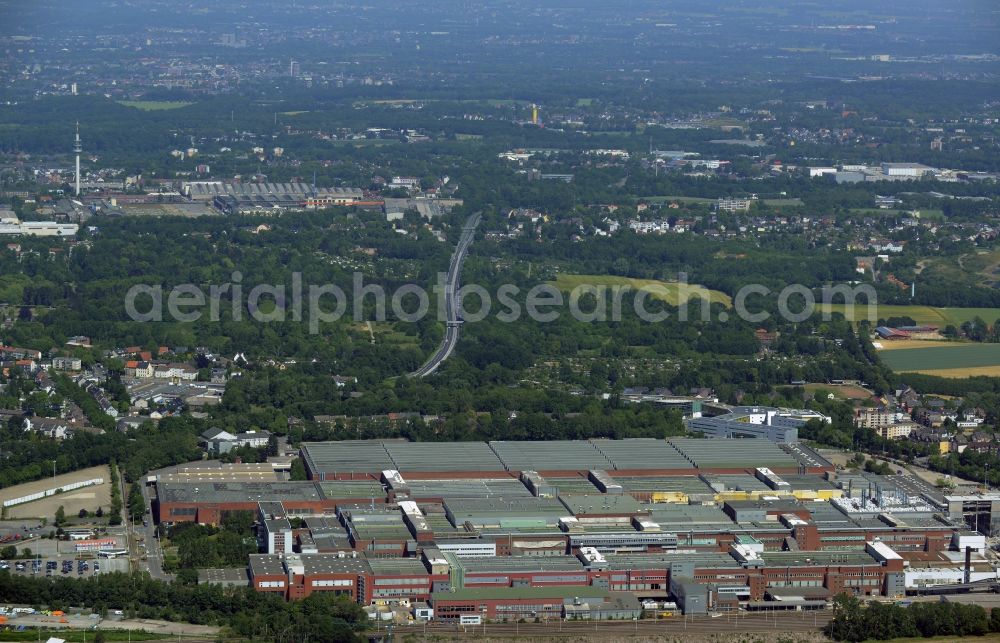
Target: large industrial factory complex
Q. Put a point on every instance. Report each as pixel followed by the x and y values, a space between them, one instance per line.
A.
pixel 587 529
pixel 236 198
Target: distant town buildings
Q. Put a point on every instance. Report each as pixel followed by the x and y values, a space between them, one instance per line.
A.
pixel 236 198
pixel 730 204
pixel 10 224
pixel 909 170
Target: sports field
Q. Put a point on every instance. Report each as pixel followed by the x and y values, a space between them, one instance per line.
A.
pixel 923 315
pixel 956 360
pixel 662 290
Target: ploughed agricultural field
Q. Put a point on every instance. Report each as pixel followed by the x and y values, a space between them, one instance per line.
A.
pixel 943 359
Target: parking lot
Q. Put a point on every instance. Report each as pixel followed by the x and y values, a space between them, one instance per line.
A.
pixel 77 566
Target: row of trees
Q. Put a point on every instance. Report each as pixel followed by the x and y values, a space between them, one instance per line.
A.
pixel 247 613
pixel 854 621
pixel 29 457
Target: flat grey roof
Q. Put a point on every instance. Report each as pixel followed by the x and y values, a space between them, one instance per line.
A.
pixel 359 456
pixel 572 484
pixel 701 560
pixel 398 566
pixel 468 488
pixel 719 453
pixel 806 455
pixel 737 481
pixel 680 517
pixel 352 489
pixel 642 453
pixel 509 564
pixel 690 485
pixel 266 564
pixel 806 482
pixel 442 456
pixel 512 506
pixel 548 455
pixel 817 558
pixel 333 564
pixel 506 511
pixel 375 456
pixel 251 491
pixel 597 504
pixel 224 576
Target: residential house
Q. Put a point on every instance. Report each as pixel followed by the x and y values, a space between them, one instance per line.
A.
pixel 908 398
pixel 44 382
pixel 874 418
pixel 67 363
pixel 970 418
pixel 171 371
pixel 101 398
pixel 132 422
pixel 341 381
pixel 134 368
pixel 55 428
pixel 12 352
pixel 928 417
pixel 897 430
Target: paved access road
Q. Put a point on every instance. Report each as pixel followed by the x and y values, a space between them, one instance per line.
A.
pixel 154 555
pixel 453 323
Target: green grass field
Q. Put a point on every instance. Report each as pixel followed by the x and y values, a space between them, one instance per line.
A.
pixel 154 105
pixel 934 358
pixel 924 315
pixel 662 290
pixel 777 203
pixel 849 392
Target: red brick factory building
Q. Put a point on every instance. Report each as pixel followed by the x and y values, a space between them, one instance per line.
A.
pixel 584 529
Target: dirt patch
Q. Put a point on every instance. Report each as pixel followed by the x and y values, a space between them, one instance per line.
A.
pixel 912 344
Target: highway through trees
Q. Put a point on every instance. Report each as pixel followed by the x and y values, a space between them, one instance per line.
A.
pixel 453 322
